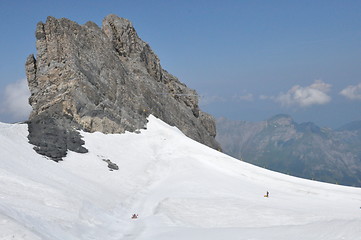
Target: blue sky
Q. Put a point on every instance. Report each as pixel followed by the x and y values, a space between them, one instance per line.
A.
pixel 248 60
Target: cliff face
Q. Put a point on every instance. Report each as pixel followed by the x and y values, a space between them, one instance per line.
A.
pixel 103 79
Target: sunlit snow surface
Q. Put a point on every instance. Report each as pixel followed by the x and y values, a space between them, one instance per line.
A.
pixel 179 188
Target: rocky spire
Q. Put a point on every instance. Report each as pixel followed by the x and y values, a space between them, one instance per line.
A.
pixel 103 79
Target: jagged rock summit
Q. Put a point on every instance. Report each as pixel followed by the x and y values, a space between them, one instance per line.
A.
pixel 103 79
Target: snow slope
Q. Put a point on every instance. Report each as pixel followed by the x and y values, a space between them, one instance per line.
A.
pixel 181 190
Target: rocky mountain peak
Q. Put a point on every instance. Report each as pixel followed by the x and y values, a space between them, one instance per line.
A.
pixel 123 35
pixel 103 79
pixel 281 120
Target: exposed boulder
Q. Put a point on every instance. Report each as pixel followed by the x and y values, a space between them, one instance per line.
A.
pixel 112 166
pixel 103 79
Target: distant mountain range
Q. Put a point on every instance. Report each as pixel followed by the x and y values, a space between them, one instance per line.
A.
pixel 303 150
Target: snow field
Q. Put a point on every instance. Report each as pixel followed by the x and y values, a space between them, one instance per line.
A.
pixel 181 190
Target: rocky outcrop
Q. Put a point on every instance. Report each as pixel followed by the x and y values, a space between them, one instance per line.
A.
pixel 103 79
pixel 112 166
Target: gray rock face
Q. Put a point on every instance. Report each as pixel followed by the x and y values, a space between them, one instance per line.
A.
pixel 104 79
pixel 52 138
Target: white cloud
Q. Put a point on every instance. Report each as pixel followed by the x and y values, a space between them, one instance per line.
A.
pixel 352 92
pixel 208 99
pixel 15 100
pixel 265 97
pixel 211 99
pixel 314 94
pixel 247 97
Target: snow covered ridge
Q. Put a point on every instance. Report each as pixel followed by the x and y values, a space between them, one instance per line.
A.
pixel 179 188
